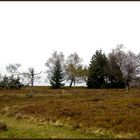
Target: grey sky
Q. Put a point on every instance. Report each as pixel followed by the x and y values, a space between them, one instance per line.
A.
pixel 30 31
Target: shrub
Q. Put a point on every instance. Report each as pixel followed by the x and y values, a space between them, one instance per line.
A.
pixel 3 126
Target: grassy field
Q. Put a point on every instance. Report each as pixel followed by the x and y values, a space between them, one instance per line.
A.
pixel 70 113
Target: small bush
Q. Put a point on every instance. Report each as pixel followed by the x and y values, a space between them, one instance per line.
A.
pixel 3 127
pixel 10 83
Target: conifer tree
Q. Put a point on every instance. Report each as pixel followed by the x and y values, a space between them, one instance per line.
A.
pixel 56 70
pixel 114 73
pixel 57 76
pixel 97 77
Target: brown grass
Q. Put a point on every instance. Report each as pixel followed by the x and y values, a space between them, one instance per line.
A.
pixel 80 108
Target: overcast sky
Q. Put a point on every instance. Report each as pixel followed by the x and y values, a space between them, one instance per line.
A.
pixel 31 31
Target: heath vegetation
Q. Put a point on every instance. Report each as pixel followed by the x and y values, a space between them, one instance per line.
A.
pixel 107 107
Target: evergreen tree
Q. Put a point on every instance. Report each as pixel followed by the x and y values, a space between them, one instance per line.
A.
pixel 114 73
pixel 97 77
pixel 5 82
pixel 56 70
pixel 57 76
pixel 15 82
pixel 128 63
pixel 11 82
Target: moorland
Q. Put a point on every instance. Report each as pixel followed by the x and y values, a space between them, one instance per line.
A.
pixel 75 112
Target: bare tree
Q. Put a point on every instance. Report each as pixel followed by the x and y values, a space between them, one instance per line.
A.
pixel 128 63
pixel 138 68
pixel 30 75
pixel 13 69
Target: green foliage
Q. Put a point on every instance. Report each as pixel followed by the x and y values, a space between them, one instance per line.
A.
pixel 5 82
pixel 97 70
pixel 105 72
pixel 57 75
pixel 129 64
pixel 114 73
pixel 82 74
pixel 11 82
pixel 73 68
pixel 55 70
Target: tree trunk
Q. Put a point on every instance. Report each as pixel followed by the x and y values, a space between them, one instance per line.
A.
pixel 32 83
pixel 128 85
pixel 71 83
pixel 32 80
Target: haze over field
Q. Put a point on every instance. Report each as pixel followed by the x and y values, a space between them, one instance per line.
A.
pixel 31 31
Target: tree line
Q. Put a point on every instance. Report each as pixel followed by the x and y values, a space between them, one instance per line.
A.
pixel 115 70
